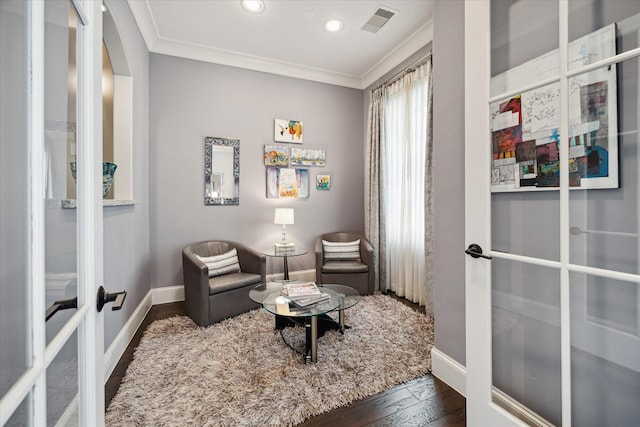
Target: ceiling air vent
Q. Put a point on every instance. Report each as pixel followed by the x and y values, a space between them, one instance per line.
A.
pixel 378 20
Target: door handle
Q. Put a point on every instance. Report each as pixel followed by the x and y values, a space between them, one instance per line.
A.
pixel 476 251
pixel 60 305
pixel 117 298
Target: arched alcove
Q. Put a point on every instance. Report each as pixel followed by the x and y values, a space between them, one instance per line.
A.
pixel 117 93
pixel 122 120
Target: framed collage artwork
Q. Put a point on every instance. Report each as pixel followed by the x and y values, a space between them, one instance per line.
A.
pixel 525 127
pixel 287 183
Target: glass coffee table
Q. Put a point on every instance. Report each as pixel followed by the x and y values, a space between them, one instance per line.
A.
pixel 314 318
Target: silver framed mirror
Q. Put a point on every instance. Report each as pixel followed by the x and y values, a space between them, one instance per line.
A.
pixel 221 171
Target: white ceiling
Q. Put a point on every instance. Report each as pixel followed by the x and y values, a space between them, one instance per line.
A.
pixel 288 36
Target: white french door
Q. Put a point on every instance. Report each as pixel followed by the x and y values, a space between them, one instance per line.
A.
pixel 552 185
pixel 51 334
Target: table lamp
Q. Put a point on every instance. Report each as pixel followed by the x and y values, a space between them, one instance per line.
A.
pixel 283 216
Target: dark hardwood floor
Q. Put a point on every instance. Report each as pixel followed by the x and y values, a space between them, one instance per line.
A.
pixel 425 401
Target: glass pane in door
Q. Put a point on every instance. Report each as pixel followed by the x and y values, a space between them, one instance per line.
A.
pixel 524 128
pixel 523 31
pixel 600 29
pixel 525 307
pixel 62 386
pixel 14 179
pixel 605 351
pixel 60 163
pixel 20 415
pixel 604 218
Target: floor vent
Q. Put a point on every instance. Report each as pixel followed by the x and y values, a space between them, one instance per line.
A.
pixel 378 20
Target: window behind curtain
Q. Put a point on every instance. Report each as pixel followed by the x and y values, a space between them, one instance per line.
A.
pixel 404 159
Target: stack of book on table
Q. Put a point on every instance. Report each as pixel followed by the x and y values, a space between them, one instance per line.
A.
pixel 284 249
pixel 304 294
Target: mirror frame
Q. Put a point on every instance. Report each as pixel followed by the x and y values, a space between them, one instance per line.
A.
pixel 209 142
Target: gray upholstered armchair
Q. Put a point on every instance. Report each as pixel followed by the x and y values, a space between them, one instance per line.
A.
pixel 213 296
pixel 346 266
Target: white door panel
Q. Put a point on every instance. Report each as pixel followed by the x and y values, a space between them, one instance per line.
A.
pixel 560 297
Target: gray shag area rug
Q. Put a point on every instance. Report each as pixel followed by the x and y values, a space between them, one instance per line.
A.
pixel 239 372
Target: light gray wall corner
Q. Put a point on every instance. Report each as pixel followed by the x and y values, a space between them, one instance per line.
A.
pixel 191 100
pixel 448 169
pixel 126 228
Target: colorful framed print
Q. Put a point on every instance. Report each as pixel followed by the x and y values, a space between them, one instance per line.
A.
pixel 525 127
pixel 302 178
pixel 307 157
pixel 287 183
pixel 323 182
pixel 288 131
pixel 276 155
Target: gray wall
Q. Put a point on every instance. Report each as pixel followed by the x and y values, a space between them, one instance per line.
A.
pixel 448 167
pixel 191 100
pixel 126 229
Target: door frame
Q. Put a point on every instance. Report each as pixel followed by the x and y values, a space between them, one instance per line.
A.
pixel 480 407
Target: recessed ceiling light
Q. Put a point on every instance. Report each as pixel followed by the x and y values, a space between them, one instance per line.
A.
pixel 333 25
pixel 103 7
pixel 253 6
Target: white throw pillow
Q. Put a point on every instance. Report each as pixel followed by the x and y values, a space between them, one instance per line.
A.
pixel 222 264
pixel 341 251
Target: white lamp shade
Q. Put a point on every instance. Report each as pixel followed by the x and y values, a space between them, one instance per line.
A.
pixel 283 216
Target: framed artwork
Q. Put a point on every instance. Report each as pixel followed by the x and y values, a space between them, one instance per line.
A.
pixel 302 178
pixel 525 127
pixel 307 157
pixel 323 182
pixel 276 155
pixel 288 131
pixel 272 182
pixel 287 183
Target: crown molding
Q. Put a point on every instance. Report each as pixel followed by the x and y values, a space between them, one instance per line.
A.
pixel 255 63
pixel 156 44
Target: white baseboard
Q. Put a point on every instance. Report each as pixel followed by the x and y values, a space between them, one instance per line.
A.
pixel 121 341
pixel 167 294
pixel 449 371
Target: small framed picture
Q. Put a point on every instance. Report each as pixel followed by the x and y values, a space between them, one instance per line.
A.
pixel 286 130
pixel 323 182
pixel 307 157
pixel 276 155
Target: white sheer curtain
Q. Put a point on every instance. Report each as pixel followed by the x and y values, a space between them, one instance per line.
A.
pixel 405 150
